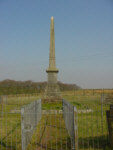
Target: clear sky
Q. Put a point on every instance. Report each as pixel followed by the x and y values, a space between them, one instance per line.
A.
pixel 83 40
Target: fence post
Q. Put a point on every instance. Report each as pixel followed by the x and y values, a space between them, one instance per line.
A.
pixel 22 129
pixel 73 127
pixel 102 96
pixel 1 102
pixel 76 128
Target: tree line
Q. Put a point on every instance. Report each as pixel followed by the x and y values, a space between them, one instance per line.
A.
pixel 24 87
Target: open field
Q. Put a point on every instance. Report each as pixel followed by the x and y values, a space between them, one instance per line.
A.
pixel 89 92
pixel 92 125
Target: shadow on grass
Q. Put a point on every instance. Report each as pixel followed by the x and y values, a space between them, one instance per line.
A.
pixel 100 142
pixel 4 143
pixel 11 131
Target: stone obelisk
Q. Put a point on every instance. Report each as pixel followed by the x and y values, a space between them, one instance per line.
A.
pixel 52 89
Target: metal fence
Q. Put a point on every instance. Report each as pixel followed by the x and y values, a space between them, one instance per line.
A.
pixel 70 117
pixel 52 131
pixel 10 120
pixel 20 128
pixel 92 122
pixel 30 116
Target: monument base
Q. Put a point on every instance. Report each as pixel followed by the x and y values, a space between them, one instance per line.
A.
pixel 52 90
pixel 51 99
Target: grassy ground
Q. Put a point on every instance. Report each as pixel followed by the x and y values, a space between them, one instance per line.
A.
pixel 10 121
pixel 92 125
pixel 51 134
pixel 10 131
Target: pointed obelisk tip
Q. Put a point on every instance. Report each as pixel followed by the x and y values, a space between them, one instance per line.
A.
pixel 52 18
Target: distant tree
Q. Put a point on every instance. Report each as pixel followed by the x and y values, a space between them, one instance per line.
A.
pixel 25 87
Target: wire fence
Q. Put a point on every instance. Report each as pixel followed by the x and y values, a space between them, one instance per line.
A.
pixel 30 116
pixel 10 120
pixel 51 131
pixel 25 126
pixel 92 123
pixel 87 92
pixel 69 116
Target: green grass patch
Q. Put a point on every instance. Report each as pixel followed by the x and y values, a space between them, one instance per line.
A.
pixel 52 106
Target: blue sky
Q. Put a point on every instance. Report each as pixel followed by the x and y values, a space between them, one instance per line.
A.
pixel 83 40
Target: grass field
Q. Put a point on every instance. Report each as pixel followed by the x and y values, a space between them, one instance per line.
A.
pixel 92 125
pixel 51 134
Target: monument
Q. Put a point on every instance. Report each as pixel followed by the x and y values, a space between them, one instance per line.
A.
pixel 52 91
